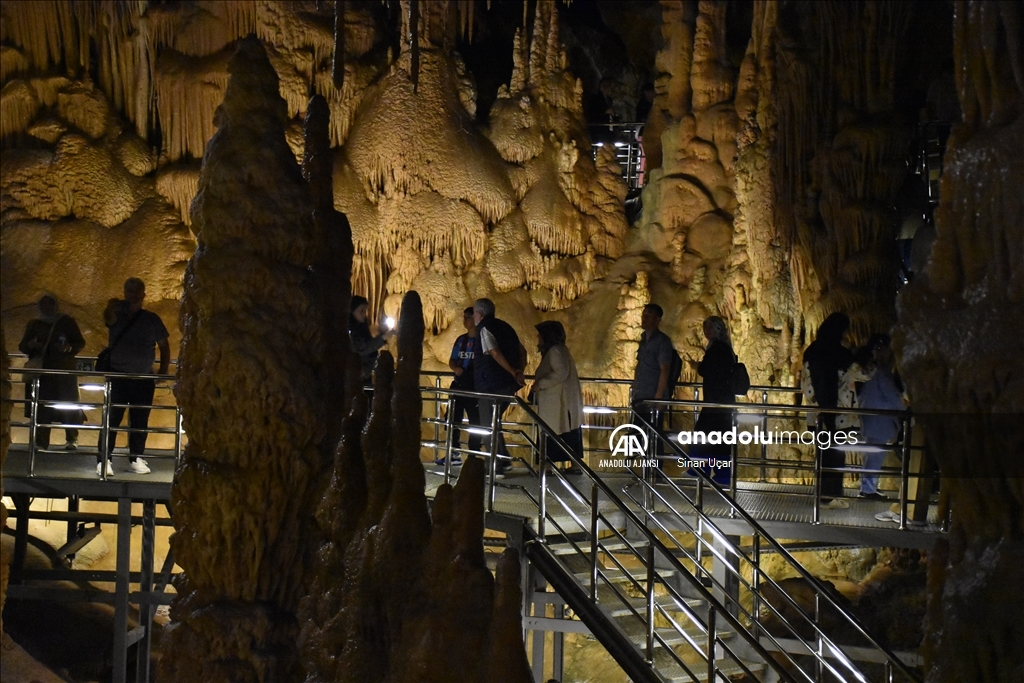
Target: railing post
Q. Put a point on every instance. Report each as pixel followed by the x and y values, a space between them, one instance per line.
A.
pixel 755 581
pixel 594 542
pixel 33 426
pixel 105 447
pixel 450 421
pixel 905 470
pixel 816 513
pixel 177 433
pixel 542 516
pixel 764 428
pixel 650 602
pixel 492 468
pixel 733 470
pixel 437 420
pixel 819 646
pixel 712 637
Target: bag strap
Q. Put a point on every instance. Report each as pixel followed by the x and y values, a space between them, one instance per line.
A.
pixel 49 337
pixel 120 335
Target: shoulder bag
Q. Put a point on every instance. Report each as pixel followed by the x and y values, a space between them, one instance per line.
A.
pixel 103 360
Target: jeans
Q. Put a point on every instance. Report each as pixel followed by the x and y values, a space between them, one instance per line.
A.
pixel 135 392
pixel 464 405
pixel 872 461
pixel 486 408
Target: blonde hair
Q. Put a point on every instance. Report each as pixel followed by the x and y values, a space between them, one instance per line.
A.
pixel 719 330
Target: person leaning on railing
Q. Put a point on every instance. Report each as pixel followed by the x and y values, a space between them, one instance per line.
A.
pixel 51 342
pixel 133 333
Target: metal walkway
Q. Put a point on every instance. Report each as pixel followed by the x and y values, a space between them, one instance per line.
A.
pixel 663 570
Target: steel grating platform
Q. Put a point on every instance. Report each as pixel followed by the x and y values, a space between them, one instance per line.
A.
pixel 784 511
pixel 73 473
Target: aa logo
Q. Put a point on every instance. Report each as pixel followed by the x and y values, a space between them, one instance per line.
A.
pixel 628 441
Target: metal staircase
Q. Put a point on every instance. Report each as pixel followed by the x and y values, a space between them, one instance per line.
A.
pixel 669 595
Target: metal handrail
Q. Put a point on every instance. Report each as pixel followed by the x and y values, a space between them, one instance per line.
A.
pixel 654 544
pixel 35 401
pixel 601 490
pixel 759 532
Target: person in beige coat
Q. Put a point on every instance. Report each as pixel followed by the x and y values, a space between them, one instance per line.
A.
pixel 557 393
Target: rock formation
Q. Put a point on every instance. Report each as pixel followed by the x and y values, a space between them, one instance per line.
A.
pixel 250 391
pixel 306 540
pixel 960 350
pixel 5 441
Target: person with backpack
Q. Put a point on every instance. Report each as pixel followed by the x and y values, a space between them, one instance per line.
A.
pixel 497 369
pixel 133 334
pixel 717 370
pixel 652 378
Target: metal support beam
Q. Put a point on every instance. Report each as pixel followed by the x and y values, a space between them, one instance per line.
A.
pixel 124 547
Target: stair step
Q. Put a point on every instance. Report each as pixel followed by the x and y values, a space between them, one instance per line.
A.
pixel 637 631
pixel 614 604
pixel 617 575
pixel 671 671
pixel 617 546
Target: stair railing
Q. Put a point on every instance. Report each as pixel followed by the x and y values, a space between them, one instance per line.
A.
pixel 654 484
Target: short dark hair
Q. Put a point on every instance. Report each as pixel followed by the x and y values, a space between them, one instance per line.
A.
pixel 655 309
pixel 468 312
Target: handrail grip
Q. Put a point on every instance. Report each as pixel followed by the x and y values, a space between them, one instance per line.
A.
pixel 819 588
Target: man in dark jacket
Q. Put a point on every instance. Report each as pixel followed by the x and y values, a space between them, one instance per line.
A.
pixel 825 359
pixel 497 369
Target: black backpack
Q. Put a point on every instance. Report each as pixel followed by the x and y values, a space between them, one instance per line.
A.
pixel 740 379
pixel 675 370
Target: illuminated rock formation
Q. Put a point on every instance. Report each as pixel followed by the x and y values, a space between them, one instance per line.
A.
pixel 251 394
pixel 400 593
pixel 960 348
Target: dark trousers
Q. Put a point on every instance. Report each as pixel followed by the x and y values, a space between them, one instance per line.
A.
pixel 465 406
pixel 135 392
pixel 48 415
pixel 573 439
pixel 831 482
pixel 486 408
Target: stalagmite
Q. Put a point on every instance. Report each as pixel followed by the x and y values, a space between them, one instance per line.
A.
pixel 5 441
pixel 251 393
pixel 959 343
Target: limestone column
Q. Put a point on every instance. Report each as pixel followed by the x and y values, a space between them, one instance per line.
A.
pixel 252 395
pixel 960 347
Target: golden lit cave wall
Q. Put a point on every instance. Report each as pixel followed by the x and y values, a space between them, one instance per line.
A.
pixel 519 211
pixel 301 522
pixel 960 350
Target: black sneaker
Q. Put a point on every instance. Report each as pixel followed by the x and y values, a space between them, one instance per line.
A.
pixel 872 496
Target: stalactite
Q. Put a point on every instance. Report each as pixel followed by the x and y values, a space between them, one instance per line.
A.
pixel 338 61
pixel 414 43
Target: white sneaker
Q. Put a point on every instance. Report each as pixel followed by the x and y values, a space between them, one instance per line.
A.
pixel 99 469
pixel 837 504
pixel 139 466
pixel 71 445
